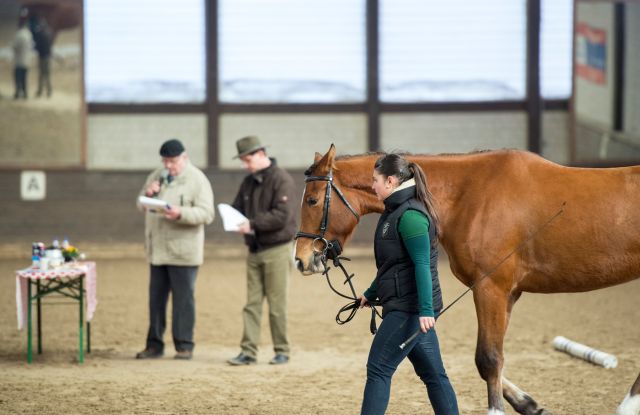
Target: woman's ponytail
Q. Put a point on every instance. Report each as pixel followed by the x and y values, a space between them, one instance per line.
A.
pixel 424 195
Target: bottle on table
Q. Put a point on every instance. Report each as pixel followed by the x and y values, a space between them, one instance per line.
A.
pixel 35 255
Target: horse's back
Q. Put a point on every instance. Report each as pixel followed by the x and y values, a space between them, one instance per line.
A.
pixel 509 195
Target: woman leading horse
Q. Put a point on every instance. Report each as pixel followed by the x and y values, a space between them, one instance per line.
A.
pixel 407 287
pixel 488 204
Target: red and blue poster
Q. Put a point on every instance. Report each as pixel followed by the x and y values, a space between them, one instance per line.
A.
pixel 591 53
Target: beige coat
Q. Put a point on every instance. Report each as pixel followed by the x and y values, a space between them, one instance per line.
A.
pixel 179 242
pixel 22 45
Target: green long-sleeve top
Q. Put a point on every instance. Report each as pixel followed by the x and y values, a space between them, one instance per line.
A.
pixel 414 231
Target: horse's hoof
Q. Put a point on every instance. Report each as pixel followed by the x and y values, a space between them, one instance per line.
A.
pixel 630 406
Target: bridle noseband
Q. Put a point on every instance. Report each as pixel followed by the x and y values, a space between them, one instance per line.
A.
pixel 331 249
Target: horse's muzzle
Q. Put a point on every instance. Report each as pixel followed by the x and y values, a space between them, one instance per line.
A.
pixel 313 267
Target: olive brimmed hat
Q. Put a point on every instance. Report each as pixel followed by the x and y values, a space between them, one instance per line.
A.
pixel 247 145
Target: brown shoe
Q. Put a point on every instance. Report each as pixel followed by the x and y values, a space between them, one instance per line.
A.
pixel 149 354
pixel 183 355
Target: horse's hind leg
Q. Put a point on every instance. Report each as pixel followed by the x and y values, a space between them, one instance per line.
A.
pixel 631 403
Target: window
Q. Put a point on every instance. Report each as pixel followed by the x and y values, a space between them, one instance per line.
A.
pixel 291 51
pixel 556 51
pixel 456 50
pixel 145 51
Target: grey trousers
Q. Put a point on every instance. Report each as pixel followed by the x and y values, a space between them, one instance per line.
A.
pixel 180 281
pixel 267 276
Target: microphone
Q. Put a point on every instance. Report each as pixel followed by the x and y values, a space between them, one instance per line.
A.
pixel 163 177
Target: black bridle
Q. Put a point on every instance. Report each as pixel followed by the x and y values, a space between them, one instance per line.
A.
pixel 332 250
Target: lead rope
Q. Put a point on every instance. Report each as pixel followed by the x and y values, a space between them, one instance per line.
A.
pixel 354 305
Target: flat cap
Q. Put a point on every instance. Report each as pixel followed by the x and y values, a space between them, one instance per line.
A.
pixel 171 148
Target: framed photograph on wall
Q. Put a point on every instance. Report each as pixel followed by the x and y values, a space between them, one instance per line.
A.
pixel 41 84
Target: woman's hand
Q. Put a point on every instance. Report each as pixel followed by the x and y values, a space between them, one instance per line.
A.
pixel 363 301
pixel 426 323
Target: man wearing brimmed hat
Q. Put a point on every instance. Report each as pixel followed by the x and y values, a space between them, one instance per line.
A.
pixel 266 198
pixel 174 242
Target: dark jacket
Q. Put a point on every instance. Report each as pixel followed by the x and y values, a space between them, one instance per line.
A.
pixel 42 37
pixel 395 280
pixel 267 198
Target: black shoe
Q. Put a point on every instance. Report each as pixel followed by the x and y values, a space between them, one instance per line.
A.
pixel 149 354
pixel 183 355
pixel 242 359
pixel 279 359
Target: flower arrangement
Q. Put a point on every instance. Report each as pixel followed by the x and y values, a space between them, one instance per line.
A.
pixel 70 253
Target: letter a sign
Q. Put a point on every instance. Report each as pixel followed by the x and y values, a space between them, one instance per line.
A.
pixel 33 185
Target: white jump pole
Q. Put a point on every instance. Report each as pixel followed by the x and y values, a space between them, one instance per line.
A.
pixel 587 353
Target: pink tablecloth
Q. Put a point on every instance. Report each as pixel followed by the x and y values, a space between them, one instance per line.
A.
pixel 66 272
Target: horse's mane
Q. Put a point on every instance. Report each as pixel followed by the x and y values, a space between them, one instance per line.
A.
pixel 408 153
pixel 342 157
pixel 460 154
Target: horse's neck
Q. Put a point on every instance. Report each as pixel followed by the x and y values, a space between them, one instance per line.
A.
pixel 446 177
pixel 354 174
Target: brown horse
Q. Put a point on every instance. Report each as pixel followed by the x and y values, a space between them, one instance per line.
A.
pixel 59 14
pixel 489 203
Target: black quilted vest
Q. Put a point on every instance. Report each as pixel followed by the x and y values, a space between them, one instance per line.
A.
pixel 395 280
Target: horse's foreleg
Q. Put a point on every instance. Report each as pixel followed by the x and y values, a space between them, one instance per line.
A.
pixel 520 400
pixel 631 403
pixel 492 305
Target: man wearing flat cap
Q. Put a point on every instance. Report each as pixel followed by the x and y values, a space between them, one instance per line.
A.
pixel 266 197
pixel 174 243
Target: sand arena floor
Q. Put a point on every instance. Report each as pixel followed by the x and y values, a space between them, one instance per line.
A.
pixel 326 374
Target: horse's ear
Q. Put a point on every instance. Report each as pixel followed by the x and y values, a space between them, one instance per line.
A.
pixel 327 160
pixel 317 158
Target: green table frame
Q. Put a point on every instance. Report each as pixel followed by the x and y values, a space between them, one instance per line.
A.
pixel 71 288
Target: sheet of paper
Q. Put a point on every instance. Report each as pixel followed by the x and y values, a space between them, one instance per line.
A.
pixel 154 205
pixel 231 218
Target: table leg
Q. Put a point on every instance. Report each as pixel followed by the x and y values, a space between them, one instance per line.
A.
pixel 39 317
pixel 81 343
pixel 88 337
pixel 29 351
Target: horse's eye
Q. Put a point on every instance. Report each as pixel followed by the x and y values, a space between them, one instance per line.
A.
pixel 311 201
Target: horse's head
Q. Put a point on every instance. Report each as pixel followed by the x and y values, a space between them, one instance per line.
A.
pixel 327 216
